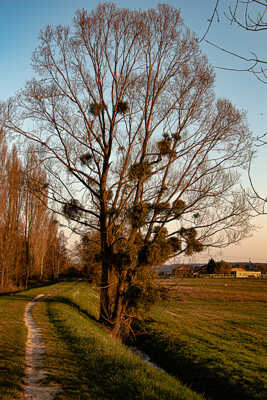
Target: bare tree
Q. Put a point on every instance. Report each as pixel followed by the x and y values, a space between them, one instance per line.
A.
pixel 26 224
pixel 11 198
pixel 124 119
pixel 55 256
pixel 36 216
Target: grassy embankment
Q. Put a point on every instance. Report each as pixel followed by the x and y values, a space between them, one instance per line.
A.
pixel 213 334
pixel 80 356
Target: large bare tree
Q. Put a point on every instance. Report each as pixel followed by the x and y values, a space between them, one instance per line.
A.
pixel 124 118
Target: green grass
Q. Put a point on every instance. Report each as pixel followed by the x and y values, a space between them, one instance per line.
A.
pixel 12 339
pixel 81 358
pixel 213 334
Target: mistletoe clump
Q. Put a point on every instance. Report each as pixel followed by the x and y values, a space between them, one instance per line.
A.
pixel 178 207
pixel 164 146
pixel 138 214
pixel 193 244
pixel 123 253
pixel 72 209
pixel 159 249
pixel 96 108
pixel 122 107
pixel 86 158
pixel 140 171
pixel 162 208
pixel 175 243
pixel 176 137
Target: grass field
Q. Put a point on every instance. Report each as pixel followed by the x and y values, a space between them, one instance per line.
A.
pixel 212 333
pixel 81 358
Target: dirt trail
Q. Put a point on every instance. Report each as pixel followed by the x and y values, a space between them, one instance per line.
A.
pixel 33 388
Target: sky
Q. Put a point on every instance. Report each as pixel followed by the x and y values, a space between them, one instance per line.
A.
pixel 20 24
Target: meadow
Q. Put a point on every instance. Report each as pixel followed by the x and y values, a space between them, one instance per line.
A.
pixel 212 334
pixel 209 335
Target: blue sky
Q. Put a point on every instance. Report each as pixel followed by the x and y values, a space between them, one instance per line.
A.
pixel 20 24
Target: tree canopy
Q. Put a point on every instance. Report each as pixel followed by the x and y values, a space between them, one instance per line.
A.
pixel 219 267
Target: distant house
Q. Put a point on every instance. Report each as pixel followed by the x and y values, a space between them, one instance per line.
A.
pixel 184 271
pixel 179 270
pixel 242 273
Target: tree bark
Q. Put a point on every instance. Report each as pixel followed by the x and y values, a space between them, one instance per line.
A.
pixel 119 306
pixel 105 294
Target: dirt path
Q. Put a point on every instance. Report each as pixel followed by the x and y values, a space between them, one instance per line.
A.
pixel 33 388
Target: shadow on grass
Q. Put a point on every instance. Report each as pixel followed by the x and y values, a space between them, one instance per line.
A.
pixel 198 376
pixel 68 302
pixel 86 380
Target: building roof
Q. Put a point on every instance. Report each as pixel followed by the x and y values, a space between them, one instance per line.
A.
pixel 184 268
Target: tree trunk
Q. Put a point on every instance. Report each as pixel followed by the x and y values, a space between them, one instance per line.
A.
pixel 105 294
pixel 3 277
pixel 119 307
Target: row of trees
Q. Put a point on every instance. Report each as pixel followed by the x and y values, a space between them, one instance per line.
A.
pixel 31 245
pixel 139 155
